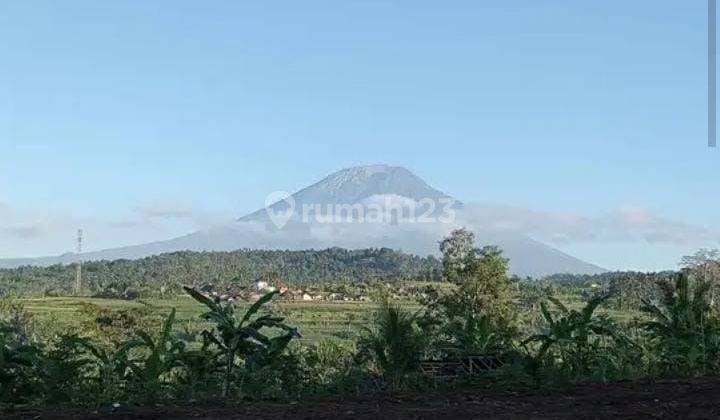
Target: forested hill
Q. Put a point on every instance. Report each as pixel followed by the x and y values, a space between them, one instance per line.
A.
pixel 241 267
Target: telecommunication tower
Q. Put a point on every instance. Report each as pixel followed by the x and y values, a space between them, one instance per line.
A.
pixel 78 272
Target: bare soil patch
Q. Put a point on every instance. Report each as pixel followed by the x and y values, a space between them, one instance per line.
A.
pixel 696 398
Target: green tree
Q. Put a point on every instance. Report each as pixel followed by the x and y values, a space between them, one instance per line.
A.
pixel 483 286
pixel 478 315
pixel 458 251
pixel 705 265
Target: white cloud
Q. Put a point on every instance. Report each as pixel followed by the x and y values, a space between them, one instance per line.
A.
pixel 625 224
pixel 24 231
pixel 38 232
pixel 166 210
pixel 170 211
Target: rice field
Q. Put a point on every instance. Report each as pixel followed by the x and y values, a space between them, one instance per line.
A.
pixel 315 320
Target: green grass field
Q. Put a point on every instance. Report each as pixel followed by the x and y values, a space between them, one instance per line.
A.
pixel 315 320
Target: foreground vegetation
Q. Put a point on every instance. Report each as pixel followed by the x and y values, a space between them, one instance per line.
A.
pixel 524 333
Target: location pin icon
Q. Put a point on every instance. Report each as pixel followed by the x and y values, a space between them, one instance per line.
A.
pixel 280 206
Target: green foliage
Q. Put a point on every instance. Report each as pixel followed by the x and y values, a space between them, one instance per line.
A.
pixel 483 287
pixel 395 344
pixel 163 275
pixel 685 333
pixel 17 360
pixel 106 368
pixel 473 334
pixel 331 367
pixel 573 339
pixel 196 373
pixel 478 315
pixel 61 371
pixel 128 352
pixel 243 338
pixel 148 366
pixel 458 251
pixel 148 371
pixel 114 326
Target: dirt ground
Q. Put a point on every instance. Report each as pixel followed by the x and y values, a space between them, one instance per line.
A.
pixel 697 398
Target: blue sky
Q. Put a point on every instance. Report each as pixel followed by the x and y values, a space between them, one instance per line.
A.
pixel 111 109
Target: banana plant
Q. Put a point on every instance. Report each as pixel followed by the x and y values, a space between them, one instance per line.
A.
pixel 683 329
pixel 109 365
pixel 16 362
pixel 158 357
pixel 243 338
pixel 198 369
pixel 61 372
pixel 571 330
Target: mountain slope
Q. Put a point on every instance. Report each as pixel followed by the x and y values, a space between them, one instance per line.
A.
pixel 353 185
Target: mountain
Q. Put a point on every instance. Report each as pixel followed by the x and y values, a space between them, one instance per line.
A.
pixel 397 209
pixel 353 185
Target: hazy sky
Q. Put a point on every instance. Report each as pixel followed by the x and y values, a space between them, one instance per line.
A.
pixel 140 120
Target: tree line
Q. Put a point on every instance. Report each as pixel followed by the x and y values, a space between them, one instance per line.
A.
pixel 171 271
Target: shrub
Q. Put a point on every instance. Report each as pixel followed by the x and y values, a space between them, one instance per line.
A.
pixel 394 344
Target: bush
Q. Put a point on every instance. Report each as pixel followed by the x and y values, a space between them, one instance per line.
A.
pixel 394 345
pixel 684 332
